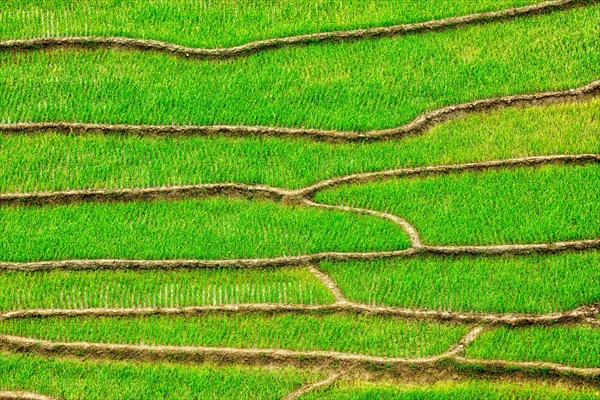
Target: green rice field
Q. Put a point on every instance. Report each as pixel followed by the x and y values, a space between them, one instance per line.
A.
pixel 50 161
pixel 208 228
pixel 148 288
pixel 330 86
pixel 516 205
pixel 566 345
pixel 446 390
pixel 299 199
pixel 526 284
pixel 72 379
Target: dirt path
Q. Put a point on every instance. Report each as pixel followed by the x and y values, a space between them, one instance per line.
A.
pixel 411 231
pixel 152 193
pixel 418 126
pixel 333 287
pixel 269 44
pixel 581 315
pixel 297 261
pixel 19 395
pixel 314 386
pixel 555 368
pixel 298 196
pixel 519 162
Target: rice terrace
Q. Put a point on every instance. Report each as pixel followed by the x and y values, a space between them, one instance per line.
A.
pixel 299 199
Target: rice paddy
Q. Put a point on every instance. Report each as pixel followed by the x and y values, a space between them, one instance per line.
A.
pixel 73 379
pixel 358 335
pixel 148 288
pixel 448 390
pixel 569 345
pixel 522 284
pixel 213 228
pixel 299 199
pixel 551 203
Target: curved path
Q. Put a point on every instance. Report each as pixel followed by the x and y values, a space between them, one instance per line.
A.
pixel 296 394
pixel 533 161
pixel 417 126
pixel 289 196
pixel 268 44
pixel 294 261
pixel 413 235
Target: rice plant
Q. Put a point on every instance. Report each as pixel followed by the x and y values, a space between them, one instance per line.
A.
pixel 220 23
pixel 452 390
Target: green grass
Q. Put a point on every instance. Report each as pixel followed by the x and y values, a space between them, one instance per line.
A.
pixel 207 228
pixel 181 288
pixel 98 380
pixel 522 205
pixel 58 162
pixel 572 345
pixel 358 85
pixel 450 391
pixel 337 332
pixel 223 22
pixel 523 284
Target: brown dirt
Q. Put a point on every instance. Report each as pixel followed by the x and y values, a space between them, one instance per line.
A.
pixel 333 287
pixel 309 388
pixel 153 193
pixel 158 352
pixel 451 374
pixel 581 315
pixel 419 125
pixel 556 247
pixel 286 261
pixel 553 368
pixel 18 395
pixel 459 348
